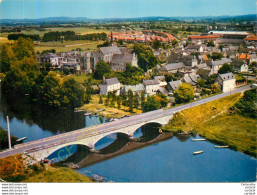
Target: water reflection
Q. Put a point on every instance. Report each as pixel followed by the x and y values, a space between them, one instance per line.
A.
pixel 35 121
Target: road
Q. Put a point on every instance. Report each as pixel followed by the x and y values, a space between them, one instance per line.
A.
pixel 110 126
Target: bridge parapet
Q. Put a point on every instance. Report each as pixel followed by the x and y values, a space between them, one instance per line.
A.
pixel 87 140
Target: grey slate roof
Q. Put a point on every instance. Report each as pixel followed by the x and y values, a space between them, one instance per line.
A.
pixel 174 66
pixel 163 91
pixel 151 82
pixel 226 60
pixel 159 78
pixel 175 84
pixel 226 76
pixel 193 46
pixel 188 80
pixel 237 63
pixel 110 50
pixel 203 72
pixel 122 57
pixel 111 81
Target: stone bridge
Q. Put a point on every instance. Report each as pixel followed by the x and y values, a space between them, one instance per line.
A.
pixel 90 138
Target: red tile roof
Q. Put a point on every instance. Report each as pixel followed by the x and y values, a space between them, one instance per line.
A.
pixel 251 38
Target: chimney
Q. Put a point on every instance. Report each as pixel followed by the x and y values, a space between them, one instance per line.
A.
pixel 103 79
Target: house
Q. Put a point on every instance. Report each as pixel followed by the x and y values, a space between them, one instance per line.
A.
pixel 162 81
pixel 243 56
pixel 191 78
pixel 173 86
pixel 194 48
pixel 250 39
pixel 119 61
pixel 134 88
pixel 227 81
pixel 151 86
pixel 49 58
pixel 216 65
pixel 204 73
pixel 239 66
pixel 253 58
pixel 110 85
pixel 172 68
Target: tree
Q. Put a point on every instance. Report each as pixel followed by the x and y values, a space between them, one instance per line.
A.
pixel 247 105
pixel 72 93
pixel 118 99
pixel 124 99
pixel 253 64
pixel 101 69
pixel 136 101
pixel 156 44
pixel 130 100
pixel 184 93
pixel 100 100
pixel 215 88
pixel 201 82
pixel 211 79
pixel 113 99
pixel 106 102
pixel 7 57
pixel 225 69
pixel 51 90
pixel 216 56
pixel 143 61
pixel 162 99
pixel 210 44
pixel 151 104
pixel 174 42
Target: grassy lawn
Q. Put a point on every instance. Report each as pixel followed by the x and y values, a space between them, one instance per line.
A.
pixel 14 169
pixel 81 78
pixel 61 174
pixel 214 122
pixel 109 112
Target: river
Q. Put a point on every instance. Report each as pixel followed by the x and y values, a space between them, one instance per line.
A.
pixel 149 157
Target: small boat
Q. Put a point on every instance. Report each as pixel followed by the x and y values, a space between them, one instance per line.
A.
pixel 184 133
pixel 221 146
pixel 87 113
pixel 103 109
pixel 198 152
pixel 112 119
pixel 21 139
pixel 195 140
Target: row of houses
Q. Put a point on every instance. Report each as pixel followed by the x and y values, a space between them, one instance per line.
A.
pixel 85 62
pixel 157 85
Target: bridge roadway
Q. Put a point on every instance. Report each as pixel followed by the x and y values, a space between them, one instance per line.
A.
pixel 110 126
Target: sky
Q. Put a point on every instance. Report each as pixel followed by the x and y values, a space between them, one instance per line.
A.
pixel 20 9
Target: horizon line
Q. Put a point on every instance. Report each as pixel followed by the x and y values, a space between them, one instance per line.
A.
pixel 126 17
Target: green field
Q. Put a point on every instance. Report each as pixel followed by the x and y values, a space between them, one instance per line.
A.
pixel 68 45
pixel 214 122
pixel 81 30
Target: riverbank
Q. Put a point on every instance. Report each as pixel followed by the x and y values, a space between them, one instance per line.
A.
pixel 17 168
pixel 108 112
pixel 216 123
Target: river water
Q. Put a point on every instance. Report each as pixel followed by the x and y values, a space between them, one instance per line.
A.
pixel 149 157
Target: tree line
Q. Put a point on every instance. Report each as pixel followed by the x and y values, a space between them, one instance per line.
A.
pixel 71 35
pixel 20 74
pixel 133 101
pixel 15 36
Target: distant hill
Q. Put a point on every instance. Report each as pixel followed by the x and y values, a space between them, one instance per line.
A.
pixel 54 20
